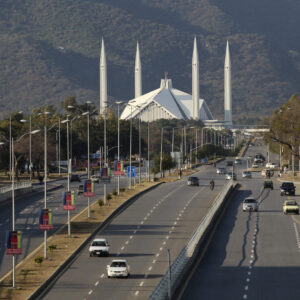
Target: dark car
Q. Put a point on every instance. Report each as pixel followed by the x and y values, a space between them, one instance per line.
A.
pixel 268 184
pixel 229 163
pixel 75 177
pixel 80 189
pixel 193 181
pixel 287 188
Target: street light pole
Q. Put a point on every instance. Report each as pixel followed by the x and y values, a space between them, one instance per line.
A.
pixel 10 152
pixel 118 104
pixel 68 157
pixel 140 151
pixel 161 148
pixel 105 153
pixel 13 207
pixel 45 180
pixel 148 145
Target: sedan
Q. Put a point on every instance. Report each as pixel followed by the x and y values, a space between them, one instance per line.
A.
pixel 231 175
pixel 193 181
pixel 221 171
pixel 246 174
pixel 118 268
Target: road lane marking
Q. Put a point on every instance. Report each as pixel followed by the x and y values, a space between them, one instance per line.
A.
pixel 167 237
pixel 136 293
pixel 246 287
pixel 248 279
pixel 126 242
pixel 122 248
pixel 142 222
pixel 96 283
pixel 141 284
pixel 164 243
pixel 157 254
pixel 154 261
pixel 160 249
pixel 245 296
pixel 131 237
pixel 90 292
pixel 172 227
pixel 150 268
pixel 134 232
pixel 102 275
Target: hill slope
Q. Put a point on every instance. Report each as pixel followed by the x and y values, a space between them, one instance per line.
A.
pixel 50 49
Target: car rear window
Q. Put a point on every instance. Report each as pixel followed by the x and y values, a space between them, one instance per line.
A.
pixel 287 184
pixel 118 264
pixel 250 201
pixel 99 243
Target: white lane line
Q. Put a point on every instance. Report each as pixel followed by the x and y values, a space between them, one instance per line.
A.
pixel 246 287
pixel 172 227
pixel 164 242
pixel 96 283
pixel 160 249
pixel 141 284
pixel 90 292
pixel 245 296
pixel 137 292
pixel 157 255
pixel 102 275
pixel 122 248
pixel 131 237
pixel 154 261
pixel 248 279
pixel 249 273
pixel 178 219
pixel 170 231
pixel 175 223
pixel 134 232
pixel 145 218
pixel 167 237
pixel 179 215
pixel 148 214
pixel 150 268
pixel 126 242
pixel 142 222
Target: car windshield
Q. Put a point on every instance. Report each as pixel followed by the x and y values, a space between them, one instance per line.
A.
pixel 118 264
pixel 193 178
pixel 287 184
pixel 250 201
pixel 99 243
pixel 291 203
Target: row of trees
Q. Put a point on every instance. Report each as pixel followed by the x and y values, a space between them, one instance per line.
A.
pixel 182 140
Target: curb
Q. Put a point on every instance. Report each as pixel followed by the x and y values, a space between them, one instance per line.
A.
pixel 43 289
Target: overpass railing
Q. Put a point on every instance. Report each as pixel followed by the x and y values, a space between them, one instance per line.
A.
pixel 166 284
pixel 20 185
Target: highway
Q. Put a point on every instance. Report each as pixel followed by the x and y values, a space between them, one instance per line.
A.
pixel 27 209
pixel 161 219
pixel 251 255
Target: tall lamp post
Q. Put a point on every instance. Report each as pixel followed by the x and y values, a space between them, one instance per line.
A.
pixel 118 104
pixel 161 149
pixel 130 141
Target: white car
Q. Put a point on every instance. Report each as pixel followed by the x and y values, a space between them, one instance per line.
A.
pixel 221 170
pixel 250 204
pixel 99 247
pixel 255 165
pixel 230 176
pixel 246 174
pixel 272 165
pixel 237 161
pixel 118 268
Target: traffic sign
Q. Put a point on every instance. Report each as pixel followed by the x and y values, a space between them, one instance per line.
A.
pixel 132 171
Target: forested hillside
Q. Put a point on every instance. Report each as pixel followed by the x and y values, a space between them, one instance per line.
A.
pixel 49 50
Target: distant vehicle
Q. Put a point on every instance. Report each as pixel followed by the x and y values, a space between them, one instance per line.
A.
pixel 259 156
pixel 221 170
pixel 255 166
pixel 246 174
pixel 95 178
pixel 237 161
pixel 80 189
pixel 287 188
pixel 118 268
pixel 268 184
pixel 230 175
pixel 250 204
pixel 193 181
pixel 229 163
pixel 290 206
pixel 99 247
pixel 272 165
pixel 75 177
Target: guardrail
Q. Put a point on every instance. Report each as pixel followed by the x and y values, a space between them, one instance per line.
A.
pixel 20 185
pixel 166 284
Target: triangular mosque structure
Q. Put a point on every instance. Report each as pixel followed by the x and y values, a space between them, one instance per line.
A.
pixel 165 103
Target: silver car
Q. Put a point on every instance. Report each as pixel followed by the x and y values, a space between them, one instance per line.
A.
pixel 250 204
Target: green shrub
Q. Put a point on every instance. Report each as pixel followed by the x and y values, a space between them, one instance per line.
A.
pixel 108 196
pixel 38 260
pixel 101 202
pixel 52 247
pixel 122 189
pixel 115 192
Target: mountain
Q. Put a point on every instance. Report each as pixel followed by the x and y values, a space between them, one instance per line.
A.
pixel 49 50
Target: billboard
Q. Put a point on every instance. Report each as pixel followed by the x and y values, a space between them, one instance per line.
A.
pixel 14 242
pixel 118 167
pixel 69 200
pixel 45 219
pixel 88 188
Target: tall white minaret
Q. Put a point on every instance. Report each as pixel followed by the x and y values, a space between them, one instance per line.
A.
pixel 137 73
pixel 195 81
pixel 103 79
pixel 227 88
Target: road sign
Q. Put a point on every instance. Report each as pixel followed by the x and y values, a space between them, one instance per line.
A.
pixel 132 171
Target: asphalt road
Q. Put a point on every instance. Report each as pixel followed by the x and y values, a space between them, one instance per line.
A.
pixel 162 219
pixel 27 209
pixel 251 255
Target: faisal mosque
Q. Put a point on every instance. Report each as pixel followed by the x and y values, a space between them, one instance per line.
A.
pixel 167 102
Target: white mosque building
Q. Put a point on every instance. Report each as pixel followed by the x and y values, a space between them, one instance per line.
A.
pixel 167 102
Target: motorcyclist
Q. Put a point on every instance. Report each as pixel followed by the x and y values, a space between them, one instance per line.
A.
pixel 212 184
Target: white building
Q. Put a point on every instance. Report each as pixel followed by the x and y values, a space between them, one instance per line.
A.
pixel 165 103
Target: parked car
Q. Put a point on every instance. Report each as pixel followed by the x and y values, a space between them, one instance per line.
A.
pixel 290 206
pixel 246 174
pixel 75 177
pixel 268 184
pixel 80 189
pixel 221 170
pixel 118 268
pixel 95 178
pixel 193 181
pixel 287 188
pixel 99 247
pixel 250 204
pixel 230 175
